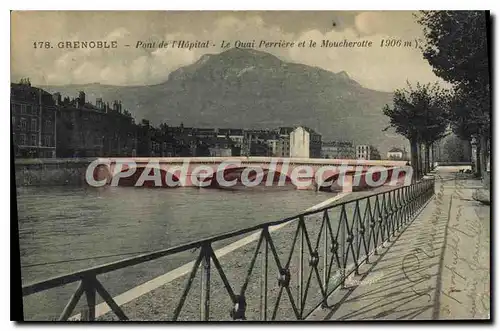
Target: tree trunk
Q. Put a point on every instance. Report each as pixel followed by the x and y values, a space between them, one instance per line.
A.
pixel 414 158
pixel 421 163
pixel 467 151
pixel 484 152
pixel 427 165
pixel 485 175
pixel 478 159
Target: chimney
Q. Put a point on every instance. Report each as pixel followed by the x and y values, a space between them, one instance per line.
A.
pixel 98 103
pixel 115 106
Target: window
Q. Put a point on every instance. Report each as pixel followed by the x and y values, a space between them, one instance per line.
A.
pixel 23 109
pixel 29 109
pixel 33 140
pixel 13 121
pixel 23 123
pixel 33 124
pixel 22 139
pixel 48 124
pixel 47 141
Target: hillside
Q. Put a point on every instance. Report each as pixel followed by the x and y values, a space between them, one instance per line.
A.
pixel 253 89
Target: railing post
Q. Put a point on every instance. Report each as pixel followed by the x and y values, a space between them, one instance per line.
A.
pixel 88 312
pixel 72 302
pixel 264 274
pixel 301 264
pixel 357 238
pixel 205 284
pixel 326 228
pixel 343 240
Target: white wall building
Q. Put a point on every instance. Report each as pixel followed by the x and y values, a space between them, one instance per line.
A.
pixel 299 143
pixel 363 152
pixel 220 152
pixel 395 154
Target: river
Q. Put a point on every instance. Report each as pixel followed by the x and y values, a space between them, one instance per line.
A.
pixel 64 229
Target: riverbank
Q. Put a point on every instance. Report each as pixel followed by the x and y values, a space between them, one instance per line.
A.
pixel 437 269
pixel 51 172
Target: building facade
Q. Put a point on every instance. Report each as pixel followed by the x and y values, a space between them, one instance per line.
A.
pixel 87 130
pixel 33 114
pixel 305 143
pixel 396 154
pixel 338 150
pixel 237 136
pixel 283 145
pixel 363 152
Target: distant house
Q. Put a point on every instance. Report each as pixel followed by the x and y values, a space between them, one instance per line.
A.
pixel 305 143
pixel 236 135
pixel 204 132
pixel 283 144
pixel 396 154
pixel 33 112
pixel 260 143
pixel 338 150
pixel 221 147
pixel 363 152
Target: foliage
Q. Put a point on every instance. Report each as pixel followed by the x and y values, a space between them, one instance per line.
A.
pixel 454 150
pixel 374 153
pixel 456 45
pixel 420 113
pixel 457 49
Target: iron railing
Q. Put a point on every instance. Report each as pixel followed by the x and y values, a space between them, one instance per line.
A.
pixel 338 247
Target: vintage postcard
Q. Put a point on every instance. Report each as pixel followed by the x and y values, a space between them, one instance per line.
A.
pixel 251 165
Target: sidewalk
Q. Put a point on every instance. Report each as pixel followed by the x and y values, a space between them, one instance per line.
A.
pixel 438 268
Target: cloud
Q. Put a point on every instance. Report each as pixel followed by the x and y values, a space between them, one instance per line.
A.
pixel 369 23
pixel 375 67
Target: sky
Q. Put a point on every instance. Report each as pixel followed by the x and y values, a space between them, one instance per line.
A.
pixel 378 68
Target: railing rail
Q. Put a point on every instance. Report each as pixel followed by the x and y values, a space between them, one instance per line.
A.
pixel 375 219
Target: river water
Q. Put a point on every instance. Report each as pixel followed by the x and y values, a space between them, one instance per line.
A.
pixel 65 229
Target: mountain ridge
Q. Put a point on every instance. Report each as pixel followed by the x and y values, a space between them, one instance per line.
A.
pixel 254 89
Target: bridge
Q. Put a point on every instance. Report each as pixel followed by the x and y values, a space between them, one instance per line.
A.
pixel 302 173
pixel 385 255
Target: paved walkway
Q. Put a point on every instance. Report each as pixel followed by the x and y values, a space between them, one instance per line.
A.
pixel 438 268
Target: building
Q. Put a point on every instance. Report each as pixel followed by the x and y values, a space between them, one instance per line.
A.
pixel 260 148
pixel 204 132
pixel 283 145
pixel 88 130
pixel 338 150
pixel 305 143
pixel 363 152
pixel 33 114
pixel 396 154
pixel 236 135
pixel 272 140
pixel 255 144
pixel 222 147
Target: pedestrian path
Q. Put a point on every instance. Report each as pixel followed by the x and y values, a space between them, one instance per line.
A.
pixel 438 267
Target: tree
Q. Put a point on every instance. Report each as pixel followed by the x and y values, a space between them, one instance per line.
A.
pixel 420 115
pixel 456 46
pixel 455 150
pixel 436 117
pixel 374 153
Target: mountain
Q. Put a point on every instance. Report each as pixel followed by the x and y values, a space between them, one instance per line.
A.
pixel 252 89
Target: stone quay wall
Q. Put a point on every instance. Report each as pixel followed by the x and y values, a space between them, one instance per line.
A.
pixel 51 172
